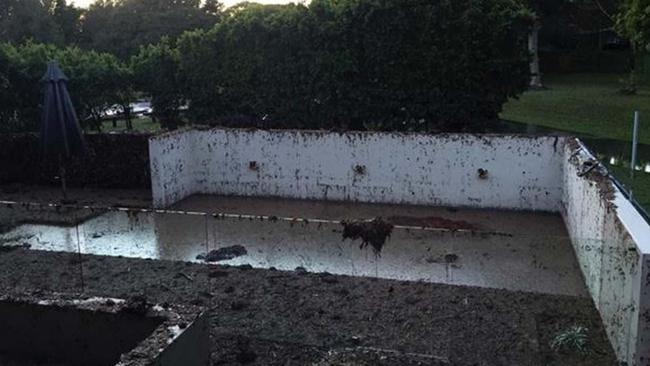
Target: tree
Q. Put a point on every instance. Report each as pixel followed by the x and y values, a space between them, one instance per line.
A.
pixel 122 26
pixel 68 20
pixel 22 20
pixel 566 17
pixel 155 69
pixel 633 22
pixel 96 82
pixel 6 98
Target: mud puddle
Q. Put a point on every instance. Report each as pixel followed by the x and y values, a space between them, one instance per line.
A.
pixel 529 261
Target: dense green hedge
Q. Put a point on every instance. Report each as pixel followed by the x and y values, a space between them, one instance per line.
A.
pixel 355 64
pixel 361 64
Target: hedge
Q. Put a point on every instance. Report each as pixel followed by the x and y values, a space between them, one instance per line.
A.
pixel 361 64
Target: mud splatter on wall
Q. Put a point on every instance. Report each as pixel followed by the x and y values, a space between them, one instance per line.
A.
pixel 612 244
pixel 440 169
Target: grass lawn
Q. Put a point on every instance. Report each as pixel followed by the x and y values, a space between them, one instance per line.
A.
pixel 586 104
pixel 144 124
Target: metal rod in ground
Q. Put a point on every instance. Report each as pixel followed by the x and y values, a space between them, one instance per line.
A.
pixel 635 137
pixel 80 260
pixel 207 245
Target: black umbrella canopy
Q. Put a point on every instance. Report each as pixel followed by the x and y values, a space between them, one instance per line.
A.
pixel 61 135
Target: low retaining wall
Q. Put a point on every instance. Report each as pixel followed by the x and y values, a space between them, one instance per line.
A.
pixel 112 161
pixel 612 243
pixel 453 170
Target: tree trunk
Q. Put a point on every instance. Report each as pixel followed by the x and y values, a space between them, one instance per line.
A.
pixel 126 114
pixel 533 48
pixel 97 120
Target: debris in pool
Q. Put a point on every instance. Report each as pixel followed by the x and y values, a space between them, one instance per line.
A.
pixel 451 258
pixel 373 233
pixel 447 259
pixel 223 254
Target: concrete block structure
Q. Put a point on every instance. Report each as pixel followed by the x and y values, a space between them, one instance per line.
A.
pixel 540 173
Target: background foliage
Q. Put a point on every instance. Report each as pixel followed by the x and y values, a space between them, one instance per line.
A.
pixel 362 64
pixel 356 64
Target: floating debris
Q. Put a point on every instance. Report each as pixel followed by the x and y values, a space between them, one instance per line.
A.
pixel 223 254
pixel 373 233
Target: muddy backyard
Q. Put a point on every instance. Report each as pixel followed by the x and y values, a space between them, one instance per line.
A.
pixel 270 317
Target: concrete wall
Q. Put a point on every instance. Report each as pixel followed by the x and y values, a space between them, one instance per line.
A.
pixel 368 167
pixel 173 167
pixel 192 348
pixel 612 244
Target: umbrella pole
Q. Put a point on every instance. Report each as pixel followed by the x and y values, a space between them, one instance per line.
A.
pixel 62 177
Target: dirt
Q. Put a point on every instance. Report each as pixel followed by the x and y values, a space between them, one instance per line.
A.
pixel 136 304
pixel 13 361
pixel 223 254
pixel 431 222
pixel 270 317
pixel 373 233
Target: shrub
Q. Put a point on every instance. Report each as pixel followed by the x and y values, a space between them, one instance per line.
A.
pixel 573 339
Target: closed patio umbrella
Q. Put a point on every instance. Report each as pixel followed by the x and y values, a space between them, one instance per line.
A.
pixel 61 135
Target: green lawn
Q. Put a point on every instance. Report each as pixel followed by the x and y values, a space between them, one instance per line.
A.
pixel 144 124
pixel 586 104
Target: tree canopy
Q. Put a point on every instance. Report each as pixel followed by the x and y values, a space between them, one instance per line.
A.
pixel 48 21
pixel 120 27
pixel 96 81
pixel 634 23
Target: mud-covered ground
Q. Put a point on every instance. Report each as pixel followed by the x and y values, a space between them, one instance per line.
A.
pixel 268 317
